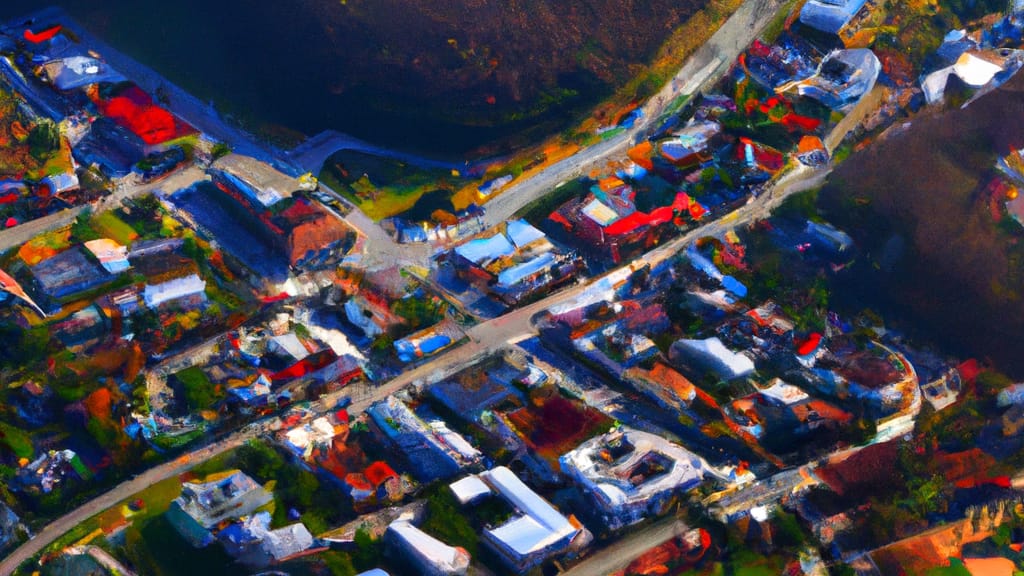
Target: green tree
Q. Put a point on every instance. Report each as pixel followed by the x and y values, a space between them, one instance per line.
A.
pixel 43 139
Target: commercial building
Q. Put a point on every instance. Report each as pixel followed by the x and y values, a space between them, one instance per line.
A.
pixel 295 225
pixel 537 532
pixel 68 273
pixel 433 450
pixel 630 474
pixel 428 555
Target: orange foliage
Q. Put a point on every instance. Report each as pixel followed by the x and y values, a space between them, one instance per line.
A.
pixel 98 404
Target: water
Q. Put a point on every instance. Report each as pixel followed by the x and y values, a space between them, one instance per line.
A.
pixel 269 63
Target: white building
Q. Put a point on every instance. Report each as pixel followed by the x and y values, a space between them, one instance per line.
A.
pixel 712 355
pixel 428 555
pixel 632 474
pixel 539 531
pixel 175 289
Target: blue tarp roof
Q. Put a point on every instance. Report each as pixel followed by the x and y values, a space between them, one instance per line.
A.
pixel 521 233
pixel 485 249
pixel 515 274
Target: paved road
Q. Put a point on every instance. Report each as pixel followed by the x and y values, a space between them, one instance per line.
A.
pixel 14 237
pixel 702 69
pixel 58 527
pixel 638 540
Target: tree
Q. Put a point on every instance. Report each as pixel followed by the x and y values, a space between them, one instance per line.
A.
pixel 43 139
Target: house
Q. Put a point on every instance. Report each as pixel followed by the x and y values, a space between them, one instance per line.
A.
pixel 76 72
pixel 976 68
pixel 536 533
pixel 690 145
pixel 69 273
pixel 667 387
pixel 60 183
pixel 254 544
pixel 433 450
pixel 111 255
pixel 781 410
pixel 111 148
pixel 50 471
pixel 134 110
pixel 201 508
pixel 630 475
pixel 296 226
pixel 426 554
pixel 515 262
pixel 84 326
pixel 842 78
pixel 830 16
pixel 711 355
pixel 607 222
pixel 171 278
pixel 370 313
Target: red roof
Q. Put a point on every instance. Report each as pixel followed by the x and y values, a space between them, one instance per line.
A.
pixel 43 36
pixel 656 217
pixel 809 345
pixel 310 363
pixel 134 109
pixel 379 473
pixel 872 468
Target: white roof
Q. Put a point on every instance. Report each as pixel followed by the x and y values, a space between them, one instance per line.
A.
pixel 525 535
pixel 599 212
pixel 157 294
pixel 975 71
pixel 785 393
pixel 521 233
pixel 469 489
pixel 724 361
pixel 428 548
pixel 542 524
pixel 291 345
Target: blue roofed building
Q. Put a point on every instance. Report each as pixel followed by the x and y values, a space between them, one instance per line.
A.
pixel 513 262
pixel 830 16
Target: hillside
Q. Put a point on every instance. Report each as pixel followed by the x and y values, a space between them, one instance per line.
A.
pixel 934 255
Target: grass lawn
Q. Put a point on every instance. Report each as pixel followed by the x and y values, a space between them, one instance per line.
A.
pixel 109 225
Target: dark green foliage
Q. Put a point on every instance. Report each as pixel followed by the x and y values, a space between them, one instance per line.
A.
pixel 82 229
pixel 369 550
pixel 338 563
pixel 43 139
pixel 198 392
pixel 447 522
pixel 23 347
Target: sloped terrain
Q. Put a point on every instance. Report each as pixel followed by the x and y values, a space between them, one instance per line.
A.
pixel 934 254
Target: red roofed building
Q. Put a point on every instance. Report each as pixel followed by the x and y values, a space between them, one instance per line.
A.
pixel 135 111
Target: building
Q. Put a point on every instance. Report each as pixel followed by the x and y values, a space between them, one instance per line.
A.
pixel 691 145
pixel 830 16
pixel 842 78
pixel 78 72
pixel 515 262
pixel 537 532
pixel 111 255
pixel 433 450
pixel 87 325
pixel 253 543
pixel 303 231
pixel 370 312
pixel 711 355
pixel 428 555
pixel 607 222
pixel 50 471
pixel 69 273
pixel 630 474
pixel 171 278
pixel 666 386
pixel 781 410
pixel 201 508
pixel 975 68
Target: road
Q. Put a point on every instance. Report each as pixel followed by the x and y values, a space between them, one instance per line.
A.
pixel 702 69
pixel 14 237
pixel 619 554
pixel 122 491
